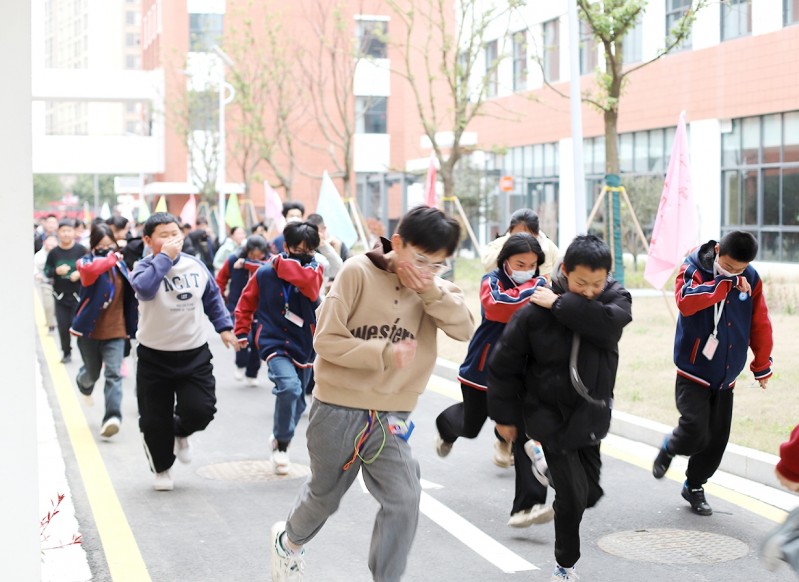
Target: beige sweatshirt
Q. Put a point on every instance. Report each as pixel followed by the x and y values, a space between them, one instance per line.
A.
pixel 491 251
pixel 365 313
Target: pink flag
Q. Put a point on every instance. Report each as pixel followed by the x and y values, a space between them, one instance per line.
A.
pixel 430 182
pixel 273 208
pixel 675 232
pixel 189 213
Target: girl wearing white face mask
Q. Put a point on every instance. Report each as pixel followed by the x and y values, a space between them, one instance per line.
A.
pixel 504 290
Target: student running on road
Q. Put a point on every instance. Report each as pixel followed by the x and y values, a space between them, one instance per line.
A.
pixel 175 382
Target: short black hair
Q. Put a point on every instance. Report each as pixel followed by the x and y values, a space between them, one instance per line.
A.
pixel 527 217
pixel 156 219
pixel 66 222
pixel 430 229
pixel 235 228
pixel 297 233
pixel 201 220
pixel 79 222
pixel 291 205
pixel 739 245
pixel 257 226
pixel 521 242
pixel 99 232
pixel 315 219
pixel 254 243
pixel 117 222
pixel 589 251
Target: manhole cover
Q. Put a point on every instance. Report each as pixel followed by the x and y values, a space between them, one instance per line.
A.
pixel 250 471
pixel 673 546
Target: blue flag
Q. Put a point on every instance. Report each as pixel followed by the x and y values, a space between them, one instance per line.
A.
pixel 334 212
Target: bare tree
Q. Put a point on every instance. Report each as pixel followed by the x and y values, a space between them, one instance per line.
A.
pixel 195 117
pixel 329 65
pixel 269 98
pixel 450 53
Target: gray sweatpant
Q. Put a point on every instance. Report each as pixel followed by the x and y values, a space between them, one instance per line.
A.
pixel 393 480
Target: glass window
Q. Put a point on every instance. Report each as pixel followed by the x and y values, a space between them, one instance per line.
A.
pixel 731 145
pixel 205 31
pixel 372 37
pixel 675 10
pixel 131 61
pixel 790 138
pixel 527 165
pixel 641 161
pixel 517 162
pixel 791 12
pixel 626 152
pixel 790 197
pixel 750 141
pixel 538 160
pixel 370 115
pixel 588 58
pixel 769 247
pixel 731 198
pixel 790 247
pixel 771 197
pixel 491 68
pixel 520 60
pixel 749 183
pixel 599 155
pixel 552 50
pixel 632 47
pixel 656 151
pixel 549 159
pixel 772 139
pixel 736 18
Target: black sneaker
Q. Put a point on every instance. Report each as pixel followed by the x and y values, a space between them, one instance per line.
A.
pixel 662 461
pixel 66 359
pixel 696 497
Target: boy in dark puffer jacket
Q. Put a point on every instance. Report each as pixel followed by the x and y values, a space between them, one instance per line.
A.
pixel 571 331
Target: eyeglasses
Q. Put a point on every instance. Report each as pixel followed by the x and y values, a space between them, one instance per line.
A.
pixel 422 263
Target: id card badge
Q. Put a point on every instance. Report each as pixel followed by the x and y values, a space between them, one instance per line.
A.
pixel 710 347
pixel 294 318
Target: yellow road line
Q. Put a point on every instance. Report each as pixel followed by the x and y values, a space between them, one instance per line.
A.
pixel 121 550
pixel 749 503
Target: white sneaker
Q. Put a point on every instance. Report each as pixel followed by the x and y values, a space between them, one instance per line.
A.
pixel 183 449
pixel 562 574
pixel 443 448
pixel 537 514
pixel 252 382
pixel 503 454
pixel 163 481
pixel 238 373
pixel 110 427
pixel 280 462
pixel 286 565
pixel 540 467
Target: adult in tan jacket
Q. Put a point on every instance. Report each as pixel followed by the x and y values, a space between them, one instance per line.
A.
pixel 523 220
pixel 376 347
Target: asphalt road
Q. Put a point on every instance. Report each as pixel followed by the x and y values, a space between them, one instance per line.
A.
pixel 215 525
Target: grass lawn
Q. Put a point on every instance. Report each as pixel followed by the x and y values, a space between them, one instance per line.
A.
pixel 645 384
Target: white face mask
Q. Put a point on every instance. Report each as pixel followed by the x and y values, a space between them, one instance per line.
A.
pixel 521 277
pixel 719 270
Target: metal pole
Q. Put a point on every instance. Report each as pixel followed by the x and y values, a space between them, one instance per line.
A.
pixel 221 161
pixel 576 118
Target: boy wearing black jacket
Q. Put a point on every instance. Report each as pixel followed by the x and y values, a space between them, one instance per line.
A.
pixel 570 333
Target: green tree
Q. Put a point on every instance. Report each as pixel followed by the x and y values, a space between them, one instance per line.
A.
pixel 450 53
pixel 83 188
pixel 46 188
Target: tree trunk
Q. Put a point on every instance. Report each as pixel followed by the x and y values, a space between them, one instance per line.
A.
pixel 611 141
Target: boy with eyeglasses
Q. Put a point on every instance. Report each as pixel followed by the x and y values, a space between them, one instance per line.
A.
pixel 375 351
pixel 722 313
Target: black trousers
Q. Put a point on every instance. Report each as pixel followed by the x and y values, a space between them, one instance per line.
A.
pixel 575 477
pixel 64 314
pixel 703 430
pixel 465 419
pixel 176 392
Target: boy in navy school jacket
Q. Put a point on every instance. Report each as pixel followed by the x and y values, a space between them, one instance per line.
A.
pixel 175 383
pixel 722 313
pixel 283 296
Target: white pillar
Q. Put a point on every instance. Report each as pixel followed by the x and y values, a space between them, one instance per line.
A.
pixel 19 537
pixel 705 148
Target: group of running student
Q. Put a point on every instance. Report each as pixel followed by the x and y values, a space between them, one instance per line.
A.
pixel 542 363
